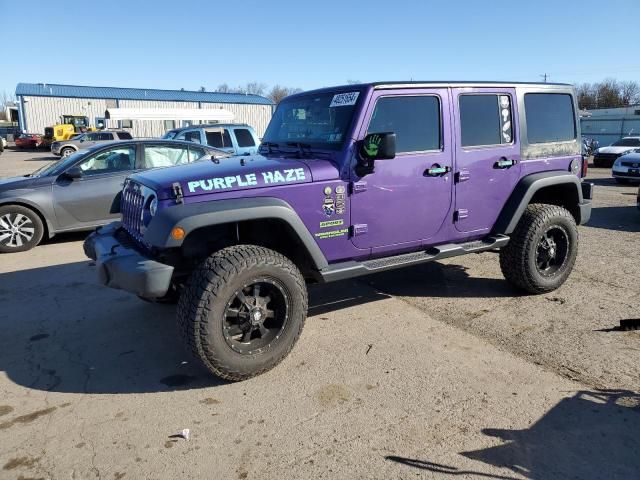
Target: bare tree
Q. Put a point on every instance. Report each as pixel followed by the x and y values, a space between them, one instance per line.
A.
pixel 353 82
pixel 224 88
pixel 609 93
pixel 255 88
pixel 629 92
pixel 278 92
pixel 7 98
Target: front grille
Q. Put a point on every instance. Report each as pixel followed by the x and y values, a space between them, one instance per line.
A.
pixel 611 157
pixel 131 206
pixel 630 164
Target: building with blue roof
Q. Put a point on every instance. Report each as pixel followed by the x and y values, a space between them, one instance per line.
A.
pixel 42 104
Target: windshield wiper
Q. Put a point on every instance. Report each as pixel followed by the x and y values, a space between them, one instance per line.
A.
pixel 269 146
pixel 301 146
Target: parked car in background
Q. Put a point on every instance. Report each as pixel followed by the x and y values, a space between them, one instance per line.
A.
pixel 28 140
pixel 3 144
pixel 606 156
pixel 626 168
pixel 86 140
pixel 81 191
pixel 239 139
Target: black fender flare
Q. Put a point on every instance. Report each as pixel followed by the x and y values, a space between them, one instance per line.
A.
pixel 192 216
pixel 527 187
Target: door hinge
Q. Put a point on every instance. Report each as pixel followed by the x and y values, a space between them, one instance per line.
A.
pixel 461 214
pixel 357 187
pixel 359 229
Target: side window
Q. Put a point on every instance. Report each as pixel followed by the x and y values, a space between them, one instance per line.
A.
pixel 112 160
pixel 244 137
pixel 164 156
pixel 196 153
pixel 485 120
pixel 105 136
pixel 91 137
pixel 550 117
pixel 219 138
pixel 126 124
pixel 124 136
pixel 415 121
pixel 192 136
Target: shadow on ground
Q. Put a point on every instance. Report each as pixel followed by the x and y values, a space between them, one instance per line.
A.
pixel 440 280
pixel 623 219
pixel 591 435
pixel 62 332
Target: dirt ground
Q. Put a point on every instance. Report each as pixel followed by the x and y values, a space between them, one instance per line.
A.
pixel 438 371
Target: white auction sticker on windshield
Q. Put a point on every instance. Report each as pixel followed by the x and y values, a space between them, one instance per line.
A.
pixel 344 99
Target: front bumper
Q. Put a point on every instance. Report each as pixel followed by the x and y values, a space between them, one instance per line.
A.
pixel 629 173
pixel 124 268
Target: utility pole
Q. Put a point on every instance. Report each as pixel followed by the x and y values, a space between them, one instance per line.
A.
pixel 544 77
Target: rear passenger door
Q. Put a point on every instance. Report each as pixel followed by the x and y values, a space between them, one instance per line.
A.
pixel 487 155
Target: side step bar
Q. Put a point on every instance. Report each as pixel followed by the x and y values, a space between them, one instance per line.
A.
pixel 350 269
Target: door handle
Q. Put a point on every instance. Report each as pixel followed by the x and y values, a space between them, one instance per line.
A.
pixel 504 162
pixel 437 171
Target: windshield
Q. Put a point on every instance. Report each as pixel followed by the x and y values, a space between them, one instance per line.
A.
pixel 627 142
pixel 169 135
pixel 319 120
pixel 56 168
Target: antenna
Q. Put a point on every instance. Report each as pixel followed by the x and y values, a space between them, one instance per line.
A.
pixel 545 76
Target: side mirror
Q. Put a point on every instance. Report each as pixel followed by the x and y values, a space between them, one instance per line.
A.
pixel 378 146
pixel 73 173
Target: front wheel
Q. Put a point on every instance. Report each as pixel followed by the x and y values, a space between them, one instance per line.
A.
pixel 542 250
pixel 20 229
pixel 243 310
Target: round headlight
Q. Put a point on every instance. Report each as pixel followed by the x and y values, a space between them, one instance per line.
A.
pixel 575 166
pixel 153 206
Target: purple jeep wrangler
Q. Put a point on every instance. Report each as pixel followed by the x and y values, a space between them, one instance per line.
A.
pixel 349 181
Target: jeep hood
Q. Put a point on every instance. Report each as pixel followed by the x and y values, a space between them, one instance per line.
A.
pixel 616 150
pixel 234 174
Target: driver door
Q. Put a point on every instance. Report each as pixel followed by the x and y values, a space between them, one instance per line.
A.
pixel 404 202
pixel 88 201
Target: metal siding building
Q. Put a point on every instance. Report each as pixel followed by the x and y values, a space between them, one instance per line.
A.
pixel 41 105
pixel 608 125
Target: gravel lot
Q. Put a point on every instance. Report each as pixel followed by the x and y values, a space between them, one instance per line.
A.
pixel 431 372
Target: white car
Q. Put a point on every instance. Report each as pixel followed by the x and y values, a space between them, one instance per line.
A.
pixel 626 168
pixel 3 144
pixel 606 156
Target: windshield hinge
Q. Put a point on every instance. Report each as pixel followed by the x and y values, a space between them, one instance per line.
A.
pixel 177 192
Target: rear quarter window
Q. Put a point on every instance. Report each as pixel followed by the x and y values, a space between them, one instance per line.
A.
pixel 550 117
pixel 124 136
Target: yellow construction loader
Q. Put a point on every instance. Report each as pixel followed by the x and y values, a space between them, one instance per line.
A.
pixel 69 126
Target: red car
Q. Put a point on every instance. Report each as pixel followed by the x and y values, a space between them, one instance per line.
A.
pixel 28 140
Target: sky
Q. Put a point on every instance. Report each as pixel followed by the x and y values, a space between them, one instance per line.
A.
pixel 310 44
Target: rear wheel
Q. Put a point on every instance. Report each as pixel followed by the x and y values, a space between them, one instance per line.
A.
pixel 542 250
pixel 20 229
pixel 243 310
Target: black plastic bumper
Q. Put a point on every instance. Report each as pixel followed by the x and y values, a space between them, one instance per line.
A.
pixel 124 268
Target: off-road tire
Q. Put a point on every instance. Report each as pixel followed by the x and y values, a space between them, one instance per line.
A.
pixel 518 259
pixel 36 224
pixel 204 299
